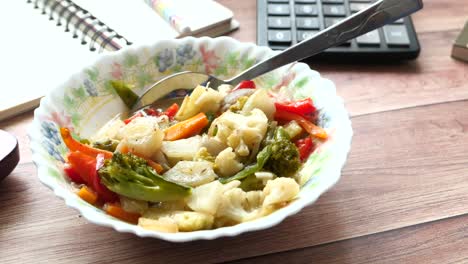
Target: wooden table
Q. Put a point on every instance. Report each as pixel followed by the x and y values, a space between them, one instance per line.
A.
pixel 403 196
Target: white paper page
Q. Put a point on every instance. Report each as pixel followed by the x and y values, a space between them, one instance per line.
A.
pixel 35 54
pixel 132 19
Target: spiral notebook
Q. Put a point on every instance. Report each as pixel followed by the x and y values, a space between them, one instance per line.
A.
pixel 46 41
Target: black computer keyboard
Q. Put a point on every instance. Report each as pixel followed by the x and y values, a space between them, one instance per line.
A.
pixel 282 23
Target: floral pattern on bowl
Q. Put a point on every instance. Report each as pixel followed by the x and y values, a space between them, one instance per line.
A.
pixel 85 101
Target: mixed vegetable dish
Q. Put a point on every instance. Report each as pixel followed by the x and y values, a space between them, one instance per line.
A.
pixel 220 158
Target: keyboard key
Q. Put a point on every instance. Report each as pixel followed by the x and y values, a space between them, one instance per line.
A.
pixel 360 1
pixel 279 22
pixel 329 21
pixel 396 35
pixel 334 10
pixel 356 7
pixel 307 22
pixel 305 1
pixel 333 1
pixel 278 47
pixel 302 34
pixel 309 10
pixel 369 39
pixel 279 36
pixel 278 9
pixel 278 1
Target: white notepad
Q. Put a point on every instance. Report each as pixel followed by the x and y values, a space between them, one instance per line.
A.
pixel 36 55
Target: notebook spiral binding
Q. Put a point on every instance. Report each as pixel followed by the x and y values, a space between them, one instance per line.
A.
pixel 80 22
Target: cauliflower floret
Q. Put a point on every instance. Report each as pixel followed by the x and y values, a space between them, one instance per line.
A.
pixel 212 145
pixel 182 149
pixel 293 129
pixel 202 99
pixel 262 101
pixel 109 131
pixel 264 176
pixel 185 220
pixel 192 221
pixel 203 154
pixel 163 224
pixel 142 136
pixel 206 198
pixel 231 185
pixel 240 132
pixel 191 173
pixel 132 205
pixel 239 206
pixel 280 190
pixel 226 163
pixel 176 205
pixel 224 89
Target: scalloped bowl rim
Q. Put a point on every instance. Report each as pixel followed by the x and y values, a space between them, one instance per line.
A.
pixel 71 200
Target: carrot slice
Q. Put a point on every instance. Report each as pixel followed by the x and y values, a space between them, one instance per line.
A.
pixel 88 195
pixel 312 129
pixel 187 128
pixel 308 126
pixel 116 211
pixel 156 166
pixel 74 145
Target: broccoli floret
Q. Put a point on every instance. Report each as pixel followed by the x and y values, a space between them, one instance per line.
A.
pixel 279 156
pixel 284 160
pixel 131 176
pixel 202 155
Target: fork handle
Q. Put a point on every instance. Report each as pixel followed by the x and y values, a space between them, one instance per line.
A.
pixel 379 14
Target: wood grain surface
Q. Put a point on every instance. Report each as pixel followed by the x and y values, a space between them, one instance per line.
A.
pixel 435 242
pixel 402 198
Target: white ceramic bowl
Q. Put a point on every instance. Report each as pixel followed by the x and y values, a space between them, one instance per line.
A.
pixel 84 102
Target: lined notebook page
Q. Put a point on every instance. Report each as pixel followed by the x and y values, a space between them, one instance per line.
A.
pixel 35 56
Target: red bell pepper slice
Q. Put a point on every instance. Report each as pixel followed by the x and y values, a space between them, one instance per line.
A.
pixel 105 194
pixel 86 166
pixel 72 174
pixel 308 126
pixel 305 147
pixel 245 85
pixel 83 164
pixel 303 107
pixel 171 111
pixel 152 112
pixel 130 119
